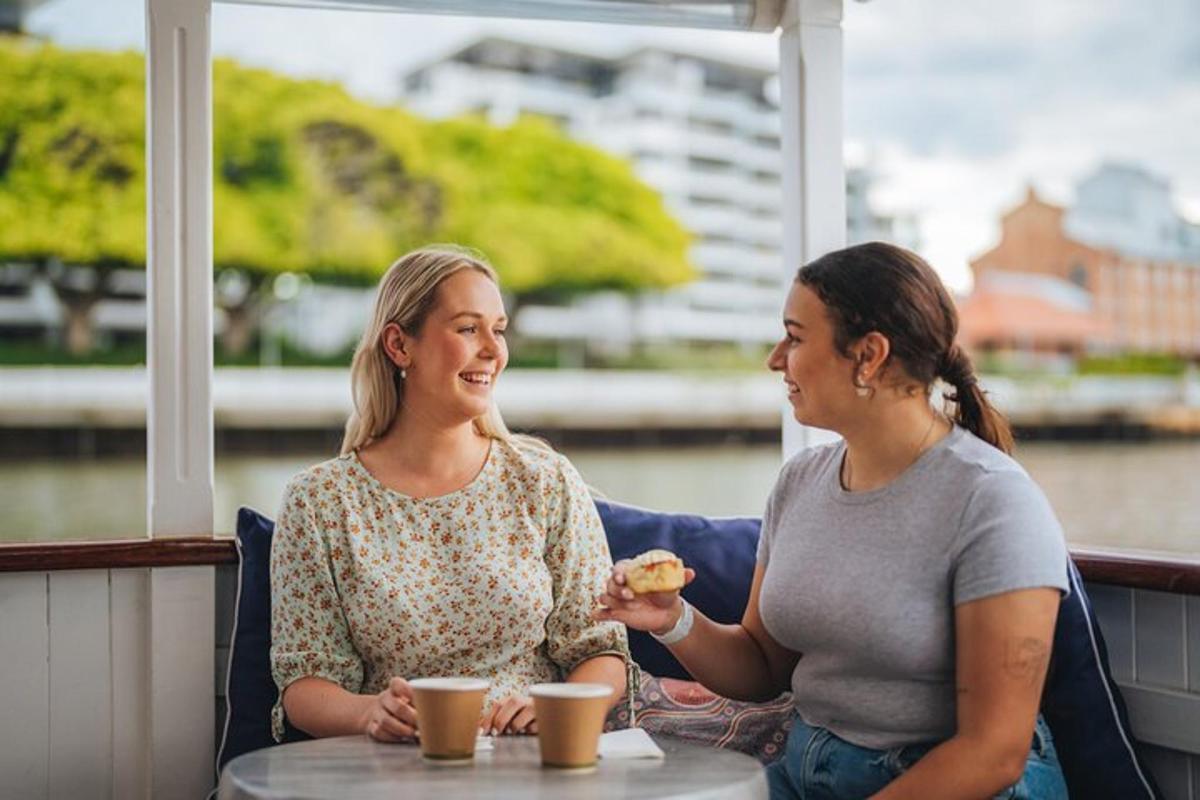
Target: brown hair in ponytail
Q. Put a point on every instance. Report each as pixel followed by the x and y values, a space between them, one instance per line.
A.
pixel 971 407
pixel 884 288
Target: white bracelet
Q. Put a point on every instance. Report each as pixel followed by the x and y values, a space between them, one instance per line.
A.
pixel 683 626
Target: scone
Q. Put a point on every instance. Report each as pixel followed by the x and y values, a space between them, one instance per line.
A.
pixel 655 571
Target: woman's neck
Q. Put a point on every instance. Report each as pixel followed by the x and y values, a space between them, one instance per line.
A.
pixel 887 440
pixel 420 457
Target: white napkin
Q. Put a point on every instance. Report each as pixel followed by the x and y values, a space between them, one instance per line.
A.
pixel 629 743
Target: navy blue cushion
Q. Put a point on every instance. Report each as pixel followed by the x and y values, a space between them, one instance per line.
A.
pixel 250 691
pixel 722 551
pixel 1085 711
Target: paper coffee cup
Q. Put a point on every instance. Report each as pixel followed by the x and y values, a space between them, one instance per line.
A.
pixel 570 717
pixel 448 711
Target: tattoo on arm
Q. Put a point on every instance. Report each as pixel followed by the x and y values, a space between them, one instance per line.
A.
pixel 1026 659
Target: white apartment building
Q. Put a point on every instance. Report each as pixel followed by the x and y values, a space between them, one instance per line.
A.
pixel 703 132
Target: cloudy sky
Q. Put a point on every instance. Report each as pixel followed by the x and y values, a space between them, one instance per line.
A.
pixel 957 106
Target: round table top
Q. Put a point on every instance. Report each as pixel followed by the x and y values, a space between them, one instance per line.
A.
pixel 358 768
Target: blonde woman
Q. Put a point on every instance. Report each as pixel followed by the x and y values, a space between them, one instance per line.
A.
pixel 437 543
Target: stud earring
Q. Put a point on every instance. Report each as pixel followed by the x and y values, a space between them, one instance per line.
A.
pixel 403 373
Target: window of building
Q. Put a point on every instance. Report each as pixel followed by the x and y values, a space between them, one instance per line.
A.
pixel 417 81
pixel 1079 276
pixel 705 125
pixel 710 201
pixel 706 164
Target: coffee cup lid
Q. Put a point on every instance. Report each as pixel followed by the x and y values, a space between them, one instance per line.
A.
pixel 570 690
pixel 451 684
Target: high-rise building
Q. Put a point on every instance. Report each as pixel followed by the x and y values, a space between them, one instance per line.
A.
pixel 1122 242
pixel 702 131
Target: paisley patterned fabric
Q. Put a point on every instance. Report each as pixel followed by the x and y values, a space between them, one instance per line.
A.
pixel 686 710
pixel 495 580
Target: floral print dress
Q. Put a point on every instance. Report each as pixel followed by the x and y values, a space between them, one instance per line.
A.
pixel 496 580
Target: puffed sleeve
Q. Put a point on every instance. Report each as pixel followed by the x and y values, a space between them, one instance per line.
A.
pixel 578 558
pixel 309 633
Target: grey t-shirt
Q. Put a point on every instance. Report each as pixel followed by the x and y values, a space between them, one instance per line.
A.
pixel 864 584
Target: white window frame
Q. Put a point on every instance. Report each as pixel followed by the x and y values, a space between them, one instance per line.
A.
pixel 179 227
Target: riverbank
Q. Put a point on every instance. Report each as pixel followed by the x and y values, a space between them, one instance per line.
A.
pixel 1126 495
pixel 101 410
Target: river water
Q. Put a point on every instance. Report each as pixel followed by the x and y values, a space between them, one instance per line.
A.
pixel 1143 496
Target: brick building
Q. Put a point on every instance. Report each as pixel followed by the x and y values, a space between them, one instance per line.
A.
pixel 1123 243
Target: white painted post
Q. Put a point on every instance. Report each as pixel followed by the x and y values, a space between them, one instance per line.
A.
pixel 814 176
pixel 179 422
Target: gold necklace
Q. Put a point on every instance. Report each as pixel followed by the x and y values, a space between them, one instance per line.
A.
pixel 848 471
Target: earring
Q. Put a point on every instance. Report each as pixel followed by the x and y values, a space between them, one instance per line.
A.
pixel 860 388
pixel 403 373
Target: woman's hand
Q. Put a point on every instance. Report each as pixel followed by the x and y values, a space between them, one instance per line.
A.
pixel 392 717
pixel 656 612
pixel 513 714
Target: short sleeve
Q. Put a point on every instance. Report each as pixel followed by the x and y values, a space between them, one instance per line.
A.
pixel 771 513
pixel 1009 539
pixel 579 562
pixel 309 634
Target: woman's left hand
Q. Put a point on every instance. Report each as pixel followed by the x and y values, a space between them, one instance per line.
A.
pixel 513 714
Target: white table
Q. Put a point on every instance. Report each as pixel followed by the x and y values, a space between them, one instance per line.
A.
pixel 357 768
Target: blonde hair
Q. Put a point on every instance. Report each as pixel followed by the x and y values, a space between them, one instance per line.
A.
pixel 407 293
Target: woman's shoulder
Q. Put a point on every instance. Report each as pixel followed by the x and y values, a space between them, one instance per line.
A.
pixel 975 461
pixel 532 456
pixel 323 476
pixel 987 480
pixel 811 461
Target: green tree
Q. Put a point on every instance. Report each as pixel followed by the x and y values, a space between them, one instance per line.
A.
pixel 308 179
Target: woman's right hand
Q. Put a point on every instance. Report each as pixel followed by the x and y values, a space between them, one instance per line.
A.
pixel 391 716
pixel 656 612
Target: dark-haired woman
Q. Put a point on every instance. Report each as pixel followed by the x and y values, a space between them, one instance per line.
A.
pixel 908 576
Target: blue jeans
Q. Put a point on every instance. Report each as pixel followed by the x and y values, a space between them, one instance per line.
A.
pixel 817 765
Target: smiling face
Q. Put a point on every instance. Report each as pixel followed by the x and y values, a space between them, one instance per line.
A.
pixel 453 361
pixel 818 377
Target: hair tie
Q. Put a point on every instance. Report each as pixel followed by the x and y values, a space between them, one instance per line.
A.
pixel 955 367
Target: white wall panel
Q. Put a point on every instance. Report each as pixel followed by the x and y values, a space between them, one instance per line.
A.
pixel 182 684
pixel 24 686
pixel 80 686
pixel 1159 639
pixel 1113 606
pixel 129 603
pixel 1192 622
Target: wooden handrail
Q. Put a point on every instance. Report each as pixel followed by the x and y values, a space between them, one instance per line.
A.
pixel 183 551
pixel 1159 573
